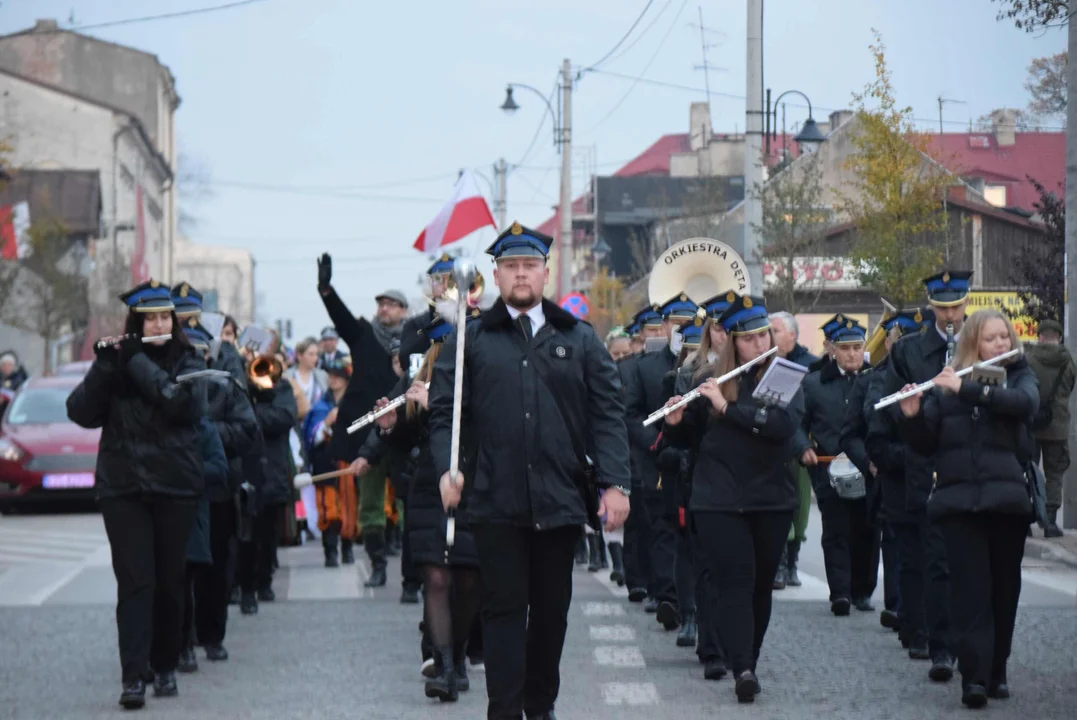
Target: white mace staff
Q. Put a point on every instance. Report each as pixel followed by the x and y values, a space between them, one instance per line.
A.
pixel 464 273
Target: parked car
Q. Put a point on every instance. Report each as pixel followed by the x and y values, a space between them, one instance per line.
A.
pixel 43 455
pixel 80 368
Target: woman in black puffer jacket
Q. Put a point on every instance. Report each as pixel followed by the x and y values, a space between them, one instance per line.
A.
pixel 977 434
pixel 450 578
pixel 149 478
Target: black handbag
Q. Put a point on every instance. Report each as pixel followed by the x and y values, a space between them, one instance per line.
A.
pixel 1037 493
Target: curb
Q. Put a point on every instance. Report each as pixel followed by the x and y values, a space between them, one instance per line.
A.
pixel 1041 549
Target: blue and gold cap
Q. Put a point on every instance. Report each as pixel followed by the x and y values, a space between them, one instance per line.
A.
pixel 648 317
pixel 692 335
pixel 519 241
pixel 150 296
pixel 849 333
pixel 198 335
pixel 948 288
pixel 831 325
pixel 186 300
pixel 679 307
pixel 906 321
pixel 632 329
pixel 746 315
pixel 718 304
pixel 442 266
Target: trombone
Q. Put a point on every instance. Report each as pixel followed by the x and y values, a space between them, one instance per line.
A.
pixel 922 387
pixel 688 397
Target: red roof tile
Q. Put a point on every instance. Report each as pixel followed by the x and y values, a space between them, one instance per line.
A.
pixel 1039 154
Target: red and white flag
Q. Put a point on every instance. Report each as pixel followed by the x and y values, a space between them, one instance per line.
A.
pixel 465 213
pixel 14 224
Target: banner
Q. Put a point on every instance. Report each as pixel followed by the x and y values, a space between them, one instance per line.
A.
pixel 1007 302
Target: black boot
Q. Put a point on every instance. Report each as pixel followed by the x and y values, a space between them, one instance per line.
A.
pixel 617 557
pixel 443 687
pixel 374 542
pixel 1052 531
pixel 248 603
pixel 329 545
pixel 164 685
pixel 792 554
pixel 460 667
pixel 779 575
pixel 188 661
pixel 581 550
pixel 392 548
pixel 133 696
pixel 687 636
pixel 347 551
pixel 594 563
pixel 603 562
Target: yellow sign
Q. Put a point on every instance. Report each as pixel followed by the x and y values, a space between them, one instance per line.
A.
pixel 1008 302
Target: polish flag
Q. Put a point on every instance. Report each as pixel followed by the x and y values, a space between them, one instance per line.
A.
pixel 465 213
pixel 14 223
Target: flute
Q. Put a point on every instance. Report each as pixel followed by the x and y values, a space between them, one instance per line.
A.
pixel 120 339
pixel 375 414
pixel 688 397
pixel 922 387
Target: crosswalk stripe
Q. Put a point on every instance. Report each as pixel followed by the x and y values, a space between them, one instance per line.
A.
pixel 62 535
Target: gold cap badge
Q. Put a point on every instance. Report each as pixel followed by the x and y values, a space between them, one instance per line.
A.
pixel 183 290
pixel 517 229
pixel 946 277
pixel 747 302
pixel 731 296
pixel 684 298
pixel 849 324
pixel 918 317
pixel 193 322
pixel 154 284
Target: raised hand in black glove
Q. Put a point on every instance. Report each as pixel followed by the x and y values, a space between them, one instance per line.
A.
pixel 131 346
pixel 106 349
pixel 325 271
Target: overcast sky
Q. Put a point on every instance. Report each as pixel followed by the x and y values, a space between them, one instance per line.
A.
pixel 339 125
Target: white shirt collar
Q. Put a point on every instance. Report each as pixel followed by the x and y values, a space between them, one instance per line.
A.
pixel 535 315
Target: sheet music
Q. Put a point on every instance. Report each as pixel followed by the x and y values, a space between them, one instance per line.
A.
pixel 780 383
pixel 991 375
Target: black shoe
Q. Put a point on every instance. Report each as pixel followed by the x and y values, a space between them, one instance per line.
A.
pixel 133 696
pixel 216 653
pixel 378 578
pixel 840 607
pixel 617 558
pixel 1053 531
pixel 747 687
pixel 637 595
pixel 864 605
pixel 233 597
pixel 999 692
pixel 267 595
pixel 651 606
pixel 331 560
pixel 463 684
pixel 667 616
pixel 919 652
pixel 548 715
pixel 374 542
pixel 714 670
pixel 780 573
pixel 792 551
pixel 347 552
pixel 942 669
pixel 443 686
pixel 974 697
pixel 188 662
pixel 687 636
pixel 409 596
pixel 248 604
pixel 164 685
pixel 890 620
pixel 581 550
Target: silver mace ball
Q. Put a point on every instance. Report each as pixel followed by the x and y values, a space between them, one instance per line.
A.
pixel 464 273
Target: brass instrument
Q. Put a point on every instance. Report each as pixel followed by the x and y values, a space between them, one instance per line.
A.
pixel 922 387
pixel 875 346
pixel 452 292
pixel 950 343
pixel 698 267
pixel 264 371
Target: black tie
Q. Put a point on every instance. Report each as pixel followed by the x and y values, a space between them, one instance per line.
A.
pixel 525 325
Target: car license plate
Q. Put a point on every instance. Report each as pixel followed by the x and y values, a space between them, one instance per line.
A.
pixel 67 481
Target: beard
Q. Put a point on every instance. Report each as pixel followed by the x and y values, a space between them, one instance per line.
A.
pixel 522 297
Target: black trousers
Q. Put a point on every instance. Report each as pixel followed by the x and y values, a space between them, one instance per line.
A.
pixel 148 537
pixel 527 590
pixel 663 547
pixel 411 577
pixel 637 553
pixel 742 551
pixel 891 569
pixel 256 558
pixel 708 642
pixel 850 548
pixel 925 584
pixel 684 573
pixel 190 603
pixel 985 552
pixel 213 583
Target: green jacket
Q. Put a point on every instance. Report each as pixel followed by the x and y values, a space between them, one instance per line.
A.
pixel 1049 362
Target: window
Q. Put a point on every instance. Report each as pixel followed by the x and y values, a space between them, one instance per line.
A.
pixel 40 406
pixel 996 195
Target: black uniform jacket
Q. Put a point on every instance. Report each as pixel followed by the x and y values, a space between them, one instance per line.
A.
pixel 372 375
pixel 978 439
pixel 915 359
pixel 412 339
pixel 269 467
pixel 401 464
pixel 526 470
pixel 885 447
pixel 646 390
pixel 742 457
pixel 854 434
pixel 150 424
pixel 827 394
pixel 231 411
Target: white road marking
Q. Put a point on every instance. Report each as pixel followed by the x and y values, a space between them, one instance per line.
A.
pixel 630 694
pixel 619 656
pixel 600 609
pixel 612 633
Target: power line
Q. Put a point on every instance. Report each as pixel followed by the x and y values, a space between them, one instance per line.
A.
pixel 643 33
pixel 346 259
pixel 621 41
pixel 538 130
pixel 632 87
pixel 166 16
pixel 345 188
pixel 326 192
pixel 198 238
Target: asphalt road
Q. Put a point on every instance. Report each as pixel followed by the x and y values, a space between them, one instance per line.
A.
pixel 331 649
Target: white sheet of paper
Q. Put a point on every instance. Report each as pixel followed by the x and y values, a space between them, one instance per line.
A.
pixel 780 382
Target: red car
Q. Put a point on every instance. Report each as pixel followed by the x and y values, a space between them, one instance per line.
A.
pixel 43 455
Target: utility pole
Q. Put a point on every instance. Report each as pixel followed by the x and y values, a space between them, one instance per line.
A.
pixel 501 171
pixel 1069 489
pixel 564 276
pixel 753 148
pixel 945 204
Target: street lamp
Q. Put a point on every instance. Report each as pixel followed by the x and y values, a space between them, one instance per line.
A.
pixel 808 139
pixel 510 107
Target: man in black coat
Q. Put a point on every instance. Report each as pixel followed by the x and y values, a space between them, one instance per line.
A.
pixel 540 394
pixel 850 547
pixel 916 359
pixel 645 392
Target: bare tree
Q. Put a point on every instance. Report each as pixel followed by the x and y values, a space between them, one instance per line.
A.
pixel 194 187
pixel 1033 15
pixel 1022 121
pixel 794 221
pixel 1047 86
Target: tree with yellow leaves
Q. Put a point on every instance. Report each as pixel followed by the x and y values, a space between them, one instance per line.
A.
pixel 605 299
pixel 896 195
